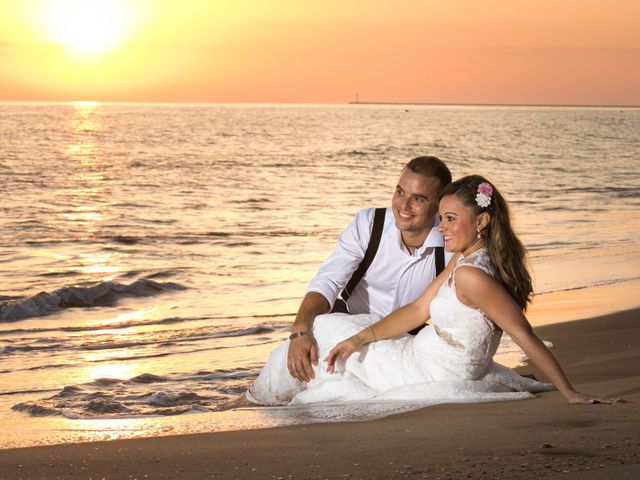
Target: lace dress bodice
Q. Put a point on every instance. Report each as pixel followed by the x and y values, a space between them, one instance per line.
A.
pixel 473 338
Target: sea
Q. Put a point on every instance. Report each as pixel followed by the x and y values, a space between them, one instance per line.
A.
pixel 152 255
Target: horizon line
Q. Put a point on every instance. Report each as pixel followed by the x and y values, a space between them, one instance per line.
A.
pixel 481 104
pixel 357 102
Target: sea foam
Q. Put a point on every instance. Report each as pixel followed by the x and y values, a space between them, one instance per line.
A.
pixel 101 294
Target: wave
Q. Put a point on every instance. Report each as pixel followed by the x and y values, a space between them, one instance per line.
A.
pixel 128 241
pixel 182 339
pixel 8 297
pixel 141 396
pixel 143 345
pixel 102 294
pixel 222 332
pixel 621 192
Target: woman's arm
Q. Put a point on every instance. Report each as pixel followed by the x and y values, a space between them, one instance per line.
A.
pixel 478 290
pixel 398 322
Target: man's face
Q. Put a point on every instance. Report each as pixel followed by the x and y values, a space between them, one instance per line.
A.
pixel 414 202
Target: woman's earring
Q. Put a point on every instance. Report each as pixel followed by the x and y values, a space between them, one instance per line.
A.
pixel 479 235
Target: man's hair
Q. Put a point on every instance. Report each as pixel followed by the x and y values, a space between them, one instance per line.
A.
pixel 429 166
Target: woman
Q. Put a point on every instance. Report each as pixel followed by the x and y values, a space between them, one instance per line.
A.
pixel 481 293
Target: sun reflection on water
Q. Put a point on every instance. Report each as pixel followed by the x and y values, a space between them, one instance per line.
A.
pixel 99 265
pixel 120 370
pixel 86 195
pixel 84 117
pixel 124 317
pixel 83 128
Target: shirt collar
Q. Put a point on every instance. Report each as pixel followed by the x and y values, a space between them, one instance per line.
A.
pixel 434 238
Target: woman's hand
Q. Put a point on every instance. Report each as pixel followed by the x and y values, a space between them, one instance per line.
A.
pixel 577 397
pixel 345 348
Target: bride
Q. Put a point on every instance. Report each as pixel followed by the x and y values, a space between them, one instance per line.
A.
pixel 482 293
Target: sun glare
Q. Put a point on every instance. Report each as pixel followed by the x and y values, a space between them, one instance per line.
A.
pixel 87 28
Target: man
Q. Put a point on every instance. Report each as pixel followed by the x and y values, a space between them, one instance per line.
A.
pixel 400 271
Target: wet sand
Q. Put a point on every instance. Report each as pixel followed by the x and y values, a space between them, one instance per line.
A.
pixel 544 437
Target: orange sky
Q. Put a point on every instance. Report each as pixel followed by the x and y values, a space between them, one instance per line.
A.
pixel 456 51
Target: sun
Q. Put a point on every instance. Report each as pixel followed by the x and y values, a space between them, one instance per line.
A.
pixel 87 28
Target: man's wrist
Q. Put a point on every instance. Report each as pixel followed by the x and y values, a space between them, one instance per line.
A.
pixel 300 334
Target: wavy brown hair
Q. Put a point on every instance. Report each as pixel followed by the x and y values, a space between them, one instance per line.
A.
pixel 506 251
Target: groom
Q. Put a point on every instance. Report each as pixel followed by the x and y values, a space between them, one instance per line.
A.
pixel 402 266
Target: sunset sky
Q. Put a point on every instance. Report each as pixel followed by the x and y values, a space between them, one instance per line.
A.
pixel 456 51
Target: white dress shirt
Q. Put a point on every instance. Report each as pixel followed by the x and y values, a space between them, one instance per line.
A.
pixel 394 278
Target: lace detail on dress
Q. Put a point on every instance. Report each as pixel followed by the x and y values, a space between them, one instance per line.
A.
pixel 479 259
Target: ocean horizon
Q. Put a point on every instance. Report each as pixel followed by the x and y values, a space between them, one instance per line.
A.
pixel 313 104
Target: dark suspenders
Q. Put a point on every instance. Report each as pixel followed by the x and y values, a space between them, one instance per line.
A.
pixel 376 234
pixel 372 249
pixel 439 267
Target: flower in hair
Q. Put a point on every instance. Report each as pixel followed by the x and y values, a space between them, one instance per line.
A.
pixel 483 198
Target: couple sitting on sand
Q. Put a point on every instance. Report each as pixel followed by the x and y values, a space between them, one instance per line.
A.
pixel 365 355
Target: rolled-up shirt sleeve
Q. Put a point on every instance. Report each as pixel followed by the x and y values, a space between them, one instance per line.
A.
pixel 351 246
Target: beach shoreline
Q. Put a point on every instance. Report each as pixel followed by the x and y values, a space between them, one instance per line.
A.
pixel 543 437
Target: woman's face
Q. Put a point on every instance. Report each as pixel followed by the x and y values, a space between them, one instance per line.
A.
pixel 459 224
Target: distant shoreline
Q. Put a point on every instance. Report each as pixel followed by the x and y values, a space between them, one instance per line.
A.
pixel 542 105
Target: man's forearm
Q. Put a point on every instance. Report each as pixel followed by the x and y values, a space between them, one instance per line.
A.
pixel 313 304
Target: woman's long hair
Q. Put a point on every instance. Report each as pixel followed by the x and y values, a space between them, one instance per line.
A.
pixel 507 253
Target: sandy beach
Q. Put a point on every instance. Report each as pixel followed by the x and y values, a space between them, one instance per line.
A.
pixel 544 437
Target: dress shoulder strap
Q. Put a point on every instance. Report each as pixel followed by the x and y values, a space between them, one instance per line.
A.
pixel 478 259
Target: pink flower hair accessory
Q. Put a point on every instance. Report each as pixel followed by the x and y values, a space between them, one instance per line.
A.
pixel 485 192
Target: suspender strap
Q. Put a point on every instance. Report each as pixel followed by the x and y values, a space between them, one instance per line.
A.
pixel 439 260
pixel 374 242
pixel 439 253
pixel 372 249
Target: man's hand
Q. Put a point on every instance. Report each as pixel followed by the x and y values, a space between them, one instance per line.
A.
pixel 303 349
pixel 303 352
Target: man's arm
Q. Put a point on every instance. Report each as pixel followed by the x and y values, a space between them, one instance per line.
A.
pixel 323 290
pixel 303 350
pixel 334 274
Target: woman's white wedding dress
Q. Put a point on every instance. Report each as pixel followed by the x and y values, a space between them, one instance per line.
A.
pixel 450 360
